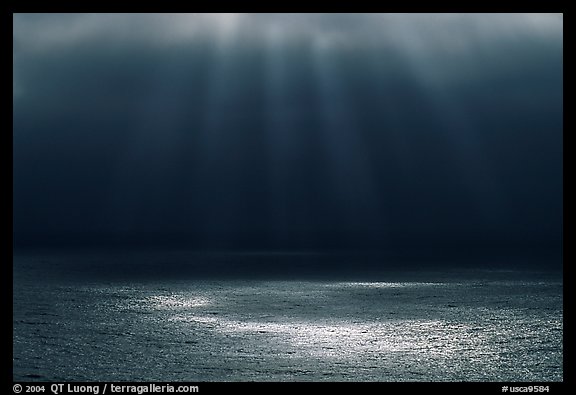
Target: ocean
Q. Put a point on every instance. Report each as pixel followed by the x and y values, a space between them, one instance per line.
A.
pixel 158 317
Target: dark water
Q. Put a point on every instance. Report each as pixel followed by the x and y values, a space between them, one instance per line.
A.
pixel 87 318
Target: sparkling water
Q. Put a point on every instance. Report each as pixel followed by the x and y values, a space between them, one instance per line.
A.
pixel 469 325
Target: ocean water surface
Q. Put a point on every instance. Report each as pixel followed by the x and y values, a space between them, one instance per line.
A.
pixel 109 322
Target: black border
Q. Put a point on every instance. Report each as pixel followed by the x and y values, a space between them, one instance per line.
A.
pixel 456 387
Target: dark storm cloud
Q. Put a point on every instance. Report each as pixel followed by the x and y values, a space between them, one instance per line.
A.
pixel 288 130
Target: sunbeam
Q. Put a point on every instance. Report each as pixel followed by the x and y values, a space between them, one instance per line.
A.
pixel 456 126
pixel 281 124
pixel 312 128
pixel 342 140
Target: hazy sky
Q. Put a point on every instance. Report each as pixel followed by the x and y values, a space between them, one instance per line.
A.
pixel 288 130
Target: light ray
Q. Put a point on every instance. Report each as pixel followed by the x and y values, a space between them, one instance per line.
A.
pixel 281 127
pixel 346 152
pixel 457 126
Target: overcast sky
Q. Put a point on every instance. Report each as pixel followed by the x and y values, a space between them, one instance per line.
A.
pixel 288 130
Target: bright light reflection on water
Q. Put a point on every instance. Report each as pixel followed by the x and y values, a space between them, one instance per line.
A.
pixel 333 337
pixel 379 284
pixel 177 301
pixel 414 330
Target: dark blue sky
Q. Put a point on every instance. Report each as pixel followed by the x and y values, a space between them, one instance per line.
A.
pixel 288 131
